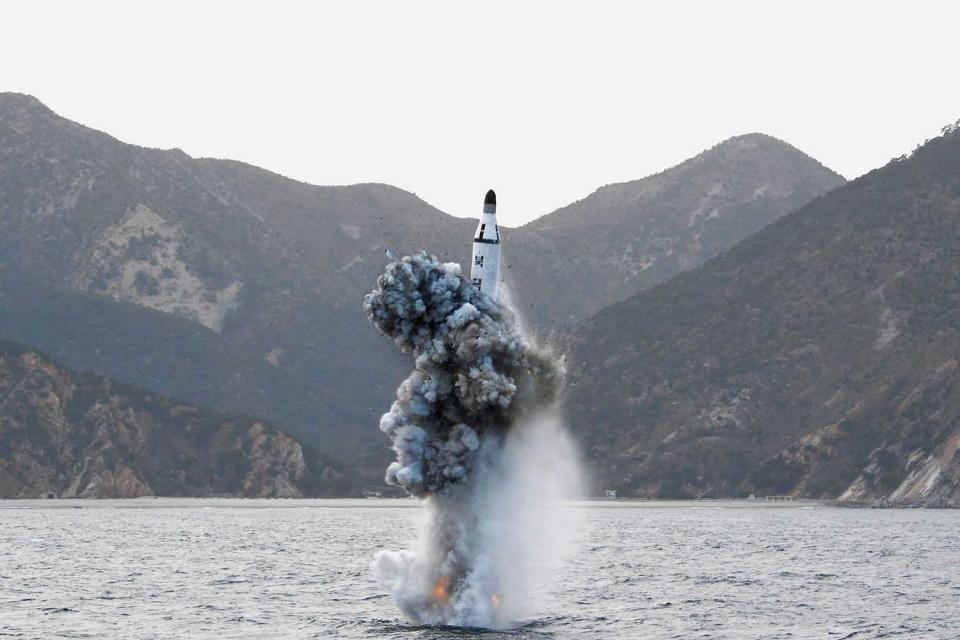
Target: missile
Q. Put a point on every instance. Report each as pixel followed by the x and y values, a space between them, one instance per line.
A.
pixel 485 270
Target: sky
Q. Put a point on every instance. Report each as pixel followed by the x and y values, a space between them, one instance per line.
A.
pixel 543 101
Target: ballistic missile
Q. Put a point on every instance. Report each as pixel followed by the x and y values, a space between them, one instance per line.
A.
pixel 485 270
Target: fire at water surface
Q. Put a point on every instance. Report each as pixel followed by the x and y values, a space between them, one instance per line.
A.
pixel 476 435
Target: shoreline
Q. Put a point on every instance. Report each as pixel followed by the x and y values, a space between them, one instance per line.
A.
pixel 154 502
pixel 185 502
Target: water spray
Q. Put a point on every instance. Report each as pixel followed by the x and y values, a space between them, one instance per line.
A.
pixel 475 435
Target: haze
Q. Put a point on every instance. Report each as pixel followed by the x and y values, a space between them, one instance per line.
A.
pixel 543 101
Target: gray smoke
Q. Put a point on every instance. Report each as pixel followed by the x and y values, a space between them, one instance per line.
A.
pixel 476 436
pixel 474 374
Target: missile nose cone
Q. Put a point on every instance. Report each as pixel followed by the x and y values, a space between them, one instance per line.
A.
pixel 490 199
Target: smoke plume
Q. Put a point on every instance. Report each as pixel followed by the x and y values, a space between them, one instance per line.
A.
pixel 476 436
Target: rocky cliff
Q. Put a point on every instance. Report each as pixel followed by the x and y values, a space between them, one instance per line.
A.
pixel 81 435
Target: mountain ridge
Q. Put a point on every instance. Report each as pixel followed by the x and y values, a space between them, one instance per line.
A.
pixel 656 227
pixel 751 136
pixel 806 353
pixel 273 270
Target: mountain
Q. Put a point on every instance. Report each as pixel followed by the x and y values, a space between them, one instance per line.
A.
pixel 83 435
pixel 266 273
pixel 631 236
pixel 820 357
pixel 231 287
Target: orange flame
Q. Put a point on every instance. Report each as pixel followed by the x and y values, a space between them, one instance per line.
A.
pixel 495 601
pixel 441 590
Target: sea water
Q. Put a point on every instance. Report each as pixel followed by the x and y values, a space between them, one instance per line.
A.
pixel 221 569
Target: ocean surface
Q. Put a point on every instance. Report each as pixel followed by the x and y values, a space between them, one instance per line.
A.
pixel 221 569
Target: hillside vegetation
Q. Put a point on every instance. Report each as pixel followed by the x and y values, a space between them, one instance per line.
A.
pixel 820 357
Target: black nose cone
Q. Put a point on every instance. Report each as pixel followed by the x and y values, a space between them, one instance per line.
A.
pixel 491 198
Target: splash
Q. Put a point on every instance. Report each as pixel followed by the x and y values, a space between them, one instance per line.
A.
pixel 476 436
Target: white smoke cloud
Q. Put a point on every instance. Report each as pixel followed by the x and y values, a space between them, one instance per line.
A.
pixel 477 436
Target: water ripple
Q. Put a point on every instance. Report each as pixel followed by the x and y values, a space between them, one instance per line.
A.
pixel 223 570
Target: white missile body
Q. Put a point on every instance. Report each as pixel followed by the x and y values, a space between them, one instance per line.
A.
pixel 485 269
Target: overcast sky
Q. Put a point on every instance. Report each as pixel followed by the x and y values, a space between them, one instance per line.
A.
pixel 544 102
